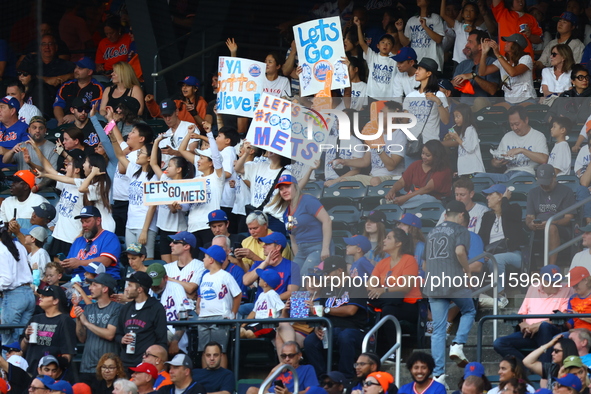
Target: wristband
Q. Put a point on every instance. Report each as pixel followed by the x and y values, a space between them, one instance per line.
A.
pixel 109 127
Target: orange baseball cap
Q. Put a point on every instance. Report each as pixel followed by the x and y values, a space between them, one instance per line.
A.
pixel 4 386
pixel 24 175
pixel 577 274
pixel 81 388
pixel 383 378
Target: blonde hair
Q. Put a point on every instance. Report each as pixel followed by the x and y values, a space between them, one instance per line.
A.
pixel 280 204
pixel 126 75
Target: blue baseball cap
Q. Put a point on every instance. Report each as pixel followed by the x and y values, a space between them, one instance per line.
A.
pixel 275 238
pixel 405 53
pixel 217 216
pixel 567 16
pixel 216 252
pixel 11 101
pixel 497 188
pixel 286 179
pixel 570 380
pixel 445 84
pixel 191 81
pixel 543 391
pixel 411 219
pixel 86 62
pixel 61 385
pixel 270 276
pixel 88 212
pixel 359 240
pixel 12 346
pixel 551 270
pixel 186 237
pixel 46 380
pixel 474 369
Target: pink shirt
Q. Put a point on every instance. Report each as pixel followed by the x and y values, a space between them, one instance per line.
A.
pixel 537 302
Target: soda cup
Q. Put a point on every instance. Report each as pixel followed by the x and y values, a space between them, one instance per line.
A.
pixel 325 338
pixel 183 314
pixel 131 346
pixel 522 27
pixel 33 336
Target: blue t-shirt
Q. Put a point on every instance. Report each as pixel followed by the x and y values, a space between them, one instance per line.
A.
pixel 288 271
pixel 306 375
pixel 106 244
pixel 361 267
pixel 476 246
pixel 306 228
pixel 237 273
pixel 586 359
pixel 12 135
pixel 214 380
pixel 434 388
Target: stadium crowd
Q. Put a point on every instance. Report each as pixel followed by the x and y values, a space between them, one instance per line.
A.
pixel 500 91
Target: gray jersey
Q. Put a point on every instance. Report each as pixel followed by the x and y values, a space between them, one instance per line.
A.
pixel 443 270
pixel 95 346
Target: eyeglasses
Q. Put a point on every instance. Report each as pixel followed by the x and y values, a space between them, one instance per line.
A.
pixel 48 44
pixel 109 367
pixel 556 350
pixel 328 384
pixel 287 355
pixel 23 73
pixel 557 385
pixel 360 364
pixel 583 77
pixel 554 54
pixel 369 383
pixel 83 109
pixel 146 355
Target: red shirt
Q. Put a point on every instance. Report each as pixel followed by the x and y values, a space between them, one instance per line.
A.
pixel 109 53
pixel 415 178
pixel 509 22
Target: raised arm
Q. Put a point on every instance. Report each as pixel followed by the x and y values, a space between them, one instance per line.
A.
pixel 450 21
pixel 361 37
pixel 232 46
pixel 84 186
pixel 289 64
pixel 154 157
pixel 123 161
pixel 216 158
pixel 47 167
pixel 483 68
pixel 404 40
pixel 188 155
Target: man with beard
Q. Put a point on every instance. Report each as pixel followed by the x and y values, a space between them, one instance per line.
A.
pixel 213 377
pixel 366 364
pixel 421 365
pixel 37 132
pixel 95 245
pixel 96 325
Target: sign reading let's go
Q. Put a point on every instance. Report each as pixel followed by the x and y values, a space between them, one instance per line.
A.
pixel 184 191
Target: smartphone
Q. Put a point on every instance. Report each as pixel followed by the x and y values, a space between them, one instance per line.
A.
pixel 279 383
pixel 537 221
pixel 61 256
pixel 237 245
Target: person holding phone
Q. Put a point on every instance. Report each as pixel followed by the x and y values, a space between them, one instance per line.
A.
pixel 192 107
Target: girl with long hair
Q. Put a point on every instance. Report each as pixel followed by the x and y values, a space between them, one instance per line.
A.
pixel 510 367
pixel 556 78
pixel 125 83
pixel 375 231
pixel 464 136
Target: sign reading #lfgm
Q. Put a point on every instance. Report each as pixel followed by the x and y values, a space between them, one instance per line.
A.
pixel 320 48
pixel 240 84
pixel 183 191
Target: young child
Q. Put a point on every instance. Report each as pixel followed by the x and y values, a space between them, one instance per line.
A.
pixel 382 67
pixel 266 302
pixel 53 274
pixel 358 246
pixel 357 67
pixel 219 298
pixel 560 157
pixel 579 302
pixel 464 136
pixel 37 257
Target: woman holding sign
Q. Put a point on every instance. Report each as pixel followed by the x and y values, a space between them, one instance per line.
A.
pixel 171 219
pixel 141 220
pixel 276 85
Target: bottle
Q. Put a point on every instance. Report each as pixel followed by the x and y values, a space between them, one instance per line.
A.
pixel 33 336
pixel 325 338
pixel 131 346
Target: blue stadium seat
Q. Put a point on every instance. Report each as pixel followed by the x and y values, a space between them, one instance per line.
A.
pixel 393 212
pixel 313 189
pixel 344 217
pixel 343 193
pixel 429 213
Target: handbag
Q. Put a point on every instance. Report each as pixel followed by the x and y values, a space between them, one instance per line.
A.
pixel 414 149
pixel 251 208
pixel 500 246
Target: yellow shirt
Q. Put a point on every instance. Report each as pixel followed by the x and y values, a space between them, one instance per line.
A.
pixel 257 248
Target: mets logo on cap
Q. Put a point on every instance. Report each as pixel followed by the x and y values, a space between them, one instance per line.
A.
pixel 164 104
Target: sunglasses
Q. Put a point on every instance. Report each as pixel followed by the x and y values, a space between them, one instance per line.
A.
pixel 179 242
pixel 583 77
pixel 368 383
pixel 23 73
pixel 554 54
pixel 290 223
pixel 287 355
pixel 328 384
pixel 83 109
pixel 556 350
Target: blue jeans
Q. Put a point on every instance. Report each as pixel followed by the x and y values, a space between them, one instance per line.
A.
pixel 415 201
pixel 513 344
pixel 582 193
pixel 439 308
pixel 503 259
pixel 501 178
pixel 308 255
pixel 244 310
pixel 348 341
pixel 17 308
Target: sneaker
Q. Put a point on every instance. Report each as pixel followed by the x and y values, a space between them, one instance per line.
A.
pixel 429 328
pixel 441 379
pixel 503 302
pixel 456 353
pixel 485 301
pixel 392 357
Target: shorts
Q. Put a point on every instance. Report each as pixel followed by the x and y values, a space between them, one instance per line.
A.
pixel 213 332
pixel 58 246
pixel 164 241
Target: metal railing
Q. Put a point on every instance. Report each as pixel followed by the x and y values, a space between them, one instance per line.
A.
pixel 494 286
pixel 269 380
pixel 397 346
pixel 555 318
pixel 567 244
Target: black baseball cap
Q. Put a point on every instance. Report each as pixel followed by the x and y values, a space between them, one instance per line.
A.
pixel 141 278
pixel 105 280
pixel 455 206
pixel 88 211
pixel 332 263
pixel 56 292
pixel 45 210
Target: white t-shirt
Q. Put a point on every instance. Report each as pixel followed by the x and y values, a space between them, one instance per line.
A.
pixel 121 181
pixel 403 85
pixel 555 85
pixel 582 160
pixel 469 156
pixel 27 111
pixel 198 212
pixel 278 88
pixel 583 132
pixel 395 147
pixel 217 292
pixel 381 74
pixel 496 232
pixel 191 272
pixel 420 41
pixel 229 193
pixel 70 204
pixel 137 211
pixel 358 95
pixel 107 221
pixel 24 210
pixel 168 221
pixel 533 141
pixel 560 157
pixel 426 112
pixel 581 259
pixel 261 178
pixel 40 257
pixel 265 301
pixel 476 214
pixel 242 195
pixel 496 390
pixel 174 139
pixel 462 40
pixel 522 86
pixel 346 151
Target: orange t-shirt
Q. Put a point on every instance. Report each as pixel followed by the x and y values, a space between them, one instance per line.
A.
pixel 109 53
pixel 576 304
pixel 407 266
pixel 511 20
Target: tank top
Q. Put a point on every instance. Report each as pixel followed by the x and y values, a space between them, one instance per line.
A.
pixel 114 102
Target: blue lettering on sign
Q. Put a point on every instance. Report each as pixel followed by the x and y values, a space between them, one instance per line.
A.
pixel 262 136
pixel 321 32
pixel 234 66
pixel 279 140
